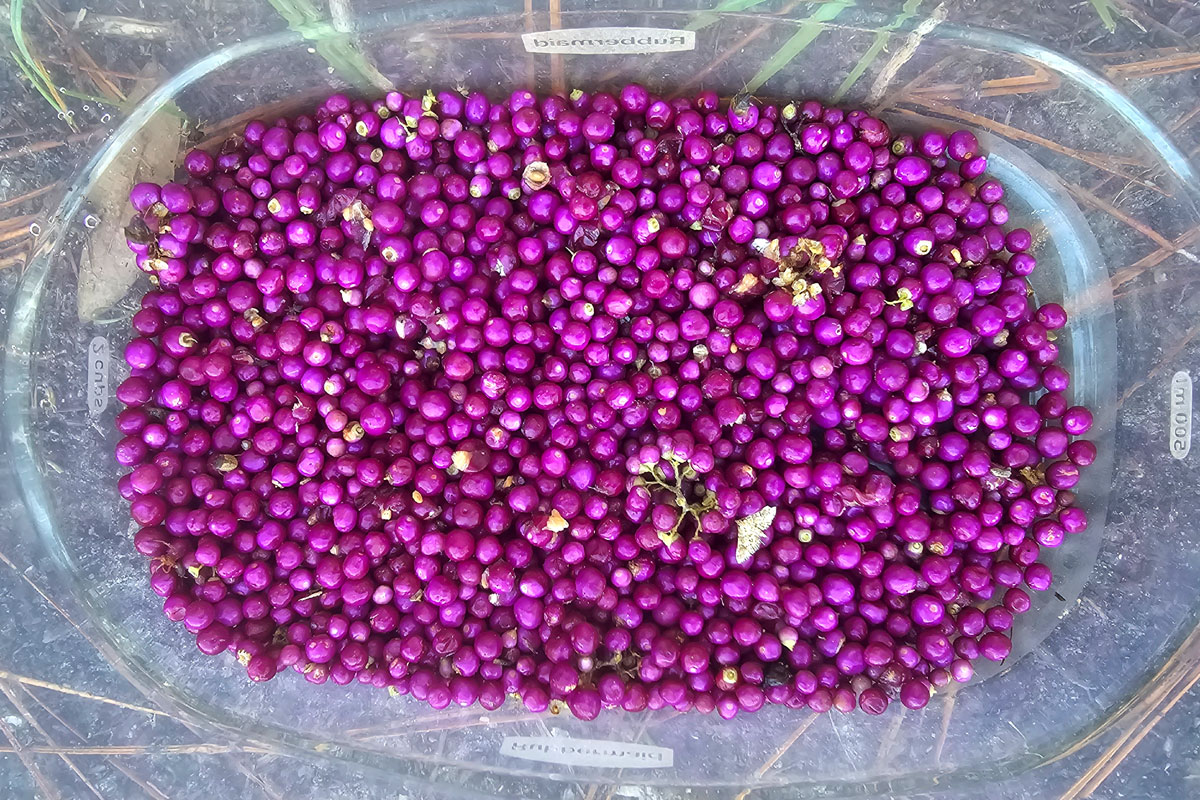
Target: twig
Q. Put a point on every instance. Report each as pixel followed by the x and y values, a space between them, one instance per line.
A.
pixel 878 44
pixel 15 227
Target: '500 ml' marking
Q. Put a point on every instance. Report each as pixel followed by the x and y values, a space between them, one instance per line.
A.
pixel 1180 438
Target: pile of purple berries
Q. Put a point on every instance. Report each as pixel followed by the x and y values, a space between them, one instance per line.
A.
pixel 604 401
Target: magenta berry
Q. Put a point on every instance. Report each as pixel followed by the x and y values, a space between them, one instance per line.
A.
pixel 601 401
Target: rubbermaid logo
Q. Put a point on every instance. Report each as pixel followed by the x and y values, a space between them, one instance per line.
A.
pixel 606 41
pixel 1180 440
pixel 587 752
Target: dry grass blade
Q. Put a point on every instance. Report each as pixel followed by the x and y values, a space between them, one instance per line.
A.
pixel 902 93
pixel 558 77
pixel 152 791
pixel 1038 81
pixel 787 744
pixel 1096 159
pixel 947 715
pixel 51 144
pixel 1168 360
pixel 201 749
pixel 31 66
pixel 1126 274
pixel 32 194
pixel 457 725
pixel 32 721
pixel 530 60
pixel 81 60
pixel 47 787
pixel 1105 162
pixel 47 598
pixel 19 260
pixel 1184 119
pixel 1138 717
pixel 888 743
pixel 57 687
pixel 1098 203
pixel 724 56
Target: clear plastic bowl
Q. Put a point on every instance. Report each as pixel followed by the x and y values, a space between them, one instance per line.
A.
pixel 1126 588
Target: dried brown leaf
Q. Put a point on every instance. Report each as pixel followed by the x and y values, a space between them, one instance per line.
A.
pixel 106 269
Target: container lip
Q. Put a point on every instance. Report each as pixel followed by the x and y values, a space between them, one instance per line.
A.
pixel 16 365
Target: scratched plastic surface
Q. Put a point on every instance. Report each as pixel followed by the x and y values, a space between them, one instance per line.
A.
pixel 1127 586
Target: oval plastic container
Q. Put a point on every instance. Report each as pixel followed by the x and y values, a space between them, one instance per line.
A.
pixel 1125 588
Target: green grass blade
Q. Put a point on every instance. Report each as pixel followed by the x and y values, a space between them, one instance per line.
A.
pixel 906 13
pixel 805 35
pixel 340 53
pixel 31 67
pixel 1105 9
pixel 704 19
pixel 34 79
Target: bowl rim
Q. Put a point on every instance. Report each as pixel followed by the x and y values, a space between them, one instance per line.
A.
pixel 17 362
